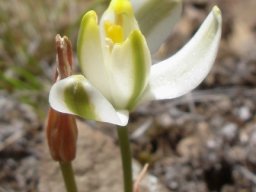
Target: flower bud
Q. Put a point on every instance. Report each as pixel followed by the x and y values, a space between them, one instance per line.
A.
pixel 61 134
pixel 61 129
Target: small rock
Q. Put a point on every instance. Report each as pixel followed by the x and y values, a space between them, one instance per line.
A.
pixel 229 132
pixel 189 147
pixel 244 113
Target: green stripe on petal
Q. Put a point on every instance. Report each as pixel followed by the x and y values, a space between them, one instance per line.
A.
pixel 90 54
pixel 75 95
pixel 77 92
pixel 185 70
pixel 129 70
pixel 141 64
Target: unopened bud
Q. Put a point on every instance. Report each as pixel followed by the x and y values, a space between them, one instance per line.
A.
pixel 61 130
pixel 61 136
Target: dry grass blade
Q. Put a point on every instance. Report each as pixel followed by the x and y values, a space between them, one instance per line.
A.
pixel 136 187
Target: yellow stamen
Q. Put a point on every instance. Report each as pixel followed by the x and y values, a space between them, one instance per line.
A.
pixel 114 32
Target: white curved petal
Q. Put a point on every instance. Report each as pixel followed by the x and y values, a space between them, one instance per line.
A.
pixel 75 95
pixel 130 66
pixel 156 19
pixel 90 53
pixel 184 71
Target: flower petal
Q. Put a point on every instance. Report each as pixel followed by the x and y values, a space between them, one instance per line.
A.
pixel 119 12
pixel 130 66
pixel 156 19
pixel 184 71
pixel 90 54
pixel 75 95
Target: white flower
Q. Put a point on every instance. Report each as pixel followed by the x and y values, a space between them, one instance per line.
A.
pixel 116 66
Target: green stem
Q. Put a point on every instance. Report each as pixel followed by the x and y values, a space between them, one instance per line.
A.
pixel 126 158
pixel 68 176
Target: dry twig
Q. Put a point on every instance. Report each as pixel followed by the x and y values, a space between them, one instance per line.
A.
pixel 136 187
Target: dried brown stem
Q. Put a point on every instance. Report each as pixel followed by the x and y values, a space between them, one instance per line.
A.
pixel 136 187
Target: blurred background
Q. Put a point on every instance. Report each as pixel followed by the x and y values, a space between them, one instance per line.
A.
pixel 204 141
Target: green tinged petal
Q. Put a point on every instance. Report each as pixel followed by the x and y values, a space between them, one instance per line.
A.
pixel 75 92
pixel 141 64
pixel 75 95
pixel 129 70
pixel 90 54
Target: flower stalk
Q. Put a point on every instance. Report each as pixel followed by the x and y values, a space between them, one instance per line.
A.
pixel 68 176
pixel 126 156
